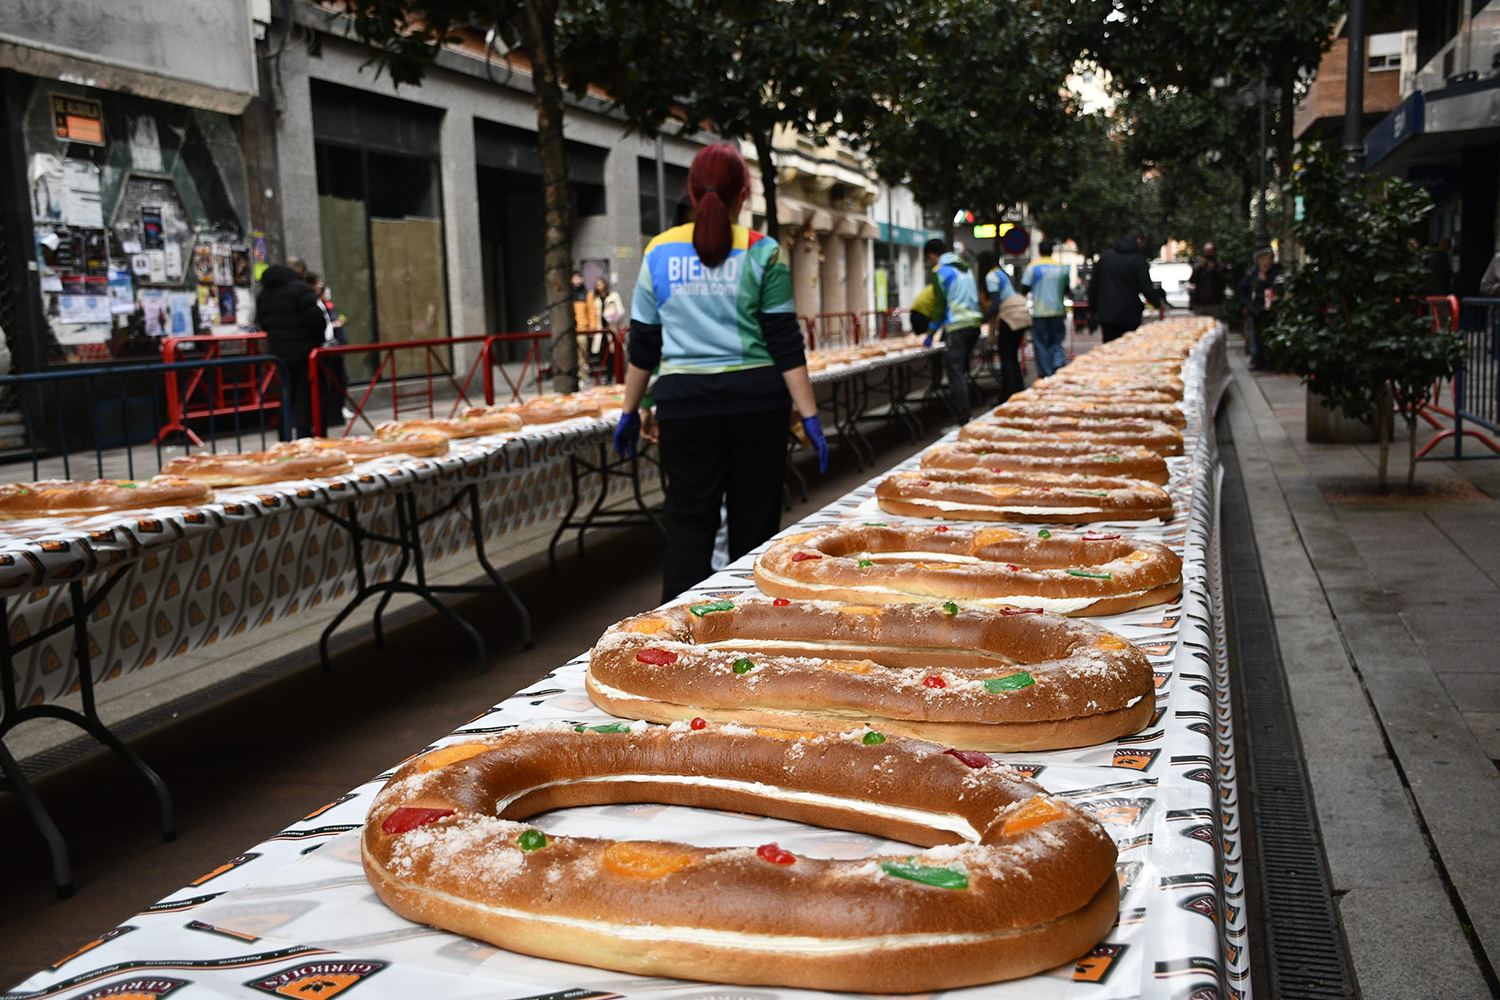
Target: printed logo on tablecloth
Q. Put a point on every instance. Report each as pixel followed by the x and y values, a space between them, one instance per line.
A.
pixel 317 979
pixel 1096 966
pixel 141 988
pixel 1134 758
pixel 1029 770
pixel 1161 677
pixel 1121 812
pixel 107 936
pixel 226 867
pixel 1204 904
pixel 206 928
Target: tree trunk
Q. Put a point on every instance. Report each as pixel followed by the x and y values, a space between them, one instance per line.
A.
pixel 945 206
pixel 1382 417
pixel 767 183
pixel 1411 450
pixel 1284 153
pixel 539 36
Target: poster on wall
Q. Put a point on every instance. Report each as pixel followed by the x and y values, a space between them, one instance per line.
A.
pixel 154 310
pixel 83 308
pixel 153 233
pixel 157 264
pixel 226 305
pixel 223 265
pixel 77 119
pixel 240 257
pixel 145 143
pixel 140 265
pixel 208 306
pixel 121 291
pixel 180 305
pixel 173 257
pixel 203 264
pixel 81 204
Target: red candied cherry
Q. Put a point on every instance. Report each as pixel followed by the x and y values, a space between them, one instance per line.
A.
pixel 656 656
pixel 941 527
pixel 780 602
pixel 409 818
pixel 973 758
pixel 803 556
pixel 698 724
pixel 934 681
pixel 775 855
pixel 1013 567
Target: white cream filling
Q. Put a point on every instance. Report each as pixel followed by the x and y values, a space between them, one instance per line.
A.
pixel 915 556
pixel 738 940
pixel 951 822
pixel 817 648
pixel 955 505
pixel 1056 605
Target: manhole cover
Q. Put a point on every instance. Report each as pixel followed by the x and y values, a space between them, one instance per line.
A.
pixel 1365 491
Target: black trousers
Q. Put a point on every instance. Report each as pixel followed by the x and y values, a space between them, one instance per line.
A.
pixel 1114 331
pixel 1008 346
pixel 958 348
pixel 706 459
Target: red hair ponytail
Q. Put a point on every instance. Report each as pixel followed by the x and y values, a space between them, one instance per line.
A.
pixel 716 181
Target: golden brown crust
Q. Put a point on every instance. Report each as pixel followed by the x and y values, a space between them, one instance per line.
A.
pixel 415 443
pixel 551 409
pixel 69 498
pixel 1027 882
pixel 1163 439
pixel 1044 453
pixel 1055 405
pixel 289 460
pixel 1077 574
pixel 454 428
pixel 1028 498
pixel 969 675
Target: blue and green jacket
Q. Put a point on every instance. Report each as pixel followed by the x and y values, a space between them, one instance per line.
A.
pixel 955 304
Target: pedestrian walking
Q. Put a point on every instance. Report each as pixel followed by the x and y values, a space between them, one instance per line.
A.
pixel 1207 282
pixel 1257 294
pixel 1121 279
pixel 607 305
pixel 287 309
pixel 713 310
pixel 1004 306
pixel 335 375
pixel 1047 280
pixel 955 309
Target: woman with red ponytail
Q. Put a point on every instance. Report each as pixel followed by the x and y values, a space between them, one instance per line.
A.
pixel 713 315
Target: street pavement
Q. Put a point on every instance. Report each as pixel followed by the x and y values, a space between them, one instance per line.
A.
pixel 1384 608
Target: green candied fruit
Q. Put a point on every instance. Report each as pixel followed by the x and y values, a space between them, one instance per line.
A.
pixel 872 739
pixel 531 840
pixel 608 727
pixel 875 524
pixel 127 486
pixel 1094 494
pixel 943 878
pixel 702 609
pixel 865 562
pixel 1091 575
pixel 743 665
pixel 1044 533
pixel 1010 682
pixel 1112 458
pixel 950 608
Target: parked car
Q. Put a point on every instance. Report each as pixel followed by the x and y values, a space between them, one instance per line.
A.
pixel 1172 277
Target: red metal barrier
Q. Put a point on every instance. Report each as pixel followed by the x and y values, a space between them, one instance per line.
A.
pixel 1443 311
pixel 878 324
pixel 832 330
pixel 404 389
pixel 610 369
pixel 218 391
pixel 532 365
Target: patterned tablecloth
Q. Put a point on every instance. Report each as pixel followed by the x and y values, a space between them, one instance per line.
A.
pixel 294 916
pixel 202 575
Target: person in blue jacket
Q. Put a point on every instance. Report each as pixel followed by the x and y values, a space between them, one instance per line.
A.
pixel 955 308
pixel 713 315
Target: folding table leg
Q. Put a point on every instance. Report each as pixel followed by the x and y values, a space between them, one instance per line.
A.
pixel 62 869
pixel 476 523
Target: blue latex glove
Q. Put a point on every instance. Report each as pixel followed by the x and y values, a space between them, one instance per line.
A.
pixel 627 434
pixel 927 340
pixel 814 428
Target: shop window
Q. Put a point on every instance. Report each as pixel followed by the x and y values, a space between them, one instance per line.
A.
pixel 382 228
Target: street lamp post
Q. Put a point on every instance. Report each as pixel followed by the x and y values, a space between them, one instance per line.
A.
pixel 1354 93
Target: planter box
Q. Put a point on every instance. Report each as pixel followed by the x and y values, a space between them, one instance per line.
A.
pixel 1329 426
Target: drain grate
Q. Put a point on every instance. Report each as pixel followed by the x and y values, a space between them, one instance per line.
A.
pixel 1304 955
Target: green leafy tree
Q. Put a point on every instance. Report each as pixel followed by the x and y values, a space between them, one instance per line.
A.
pixel 1349 323
pixel 740 67
pixel 405 36
pixel 1102 194
pixel 974 105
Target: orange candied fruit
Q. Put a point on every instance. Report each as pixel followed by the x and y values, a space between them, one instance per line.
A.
pixel 858 609
pixel 848 666
pixel 1034 813
pixel 450 755
pixel 644 859
pixel 1112 643
pixel 1140 556
pixel 649 626
pixel 989 536
pixel 787 734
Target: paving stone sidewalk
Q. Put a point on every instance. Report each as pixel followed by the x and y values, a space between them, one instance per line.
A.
pixel 1385 612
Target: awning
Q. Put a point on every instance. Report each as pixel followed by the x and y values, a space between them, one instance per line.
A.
pixel 1434 127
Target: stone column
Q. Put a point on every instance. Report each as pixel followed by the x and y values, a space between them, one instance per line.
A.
pixel 857 291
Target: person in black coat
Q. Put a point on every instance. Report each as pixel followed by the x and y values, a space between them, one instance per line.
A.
pixel 287 310
pixel 1121 279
